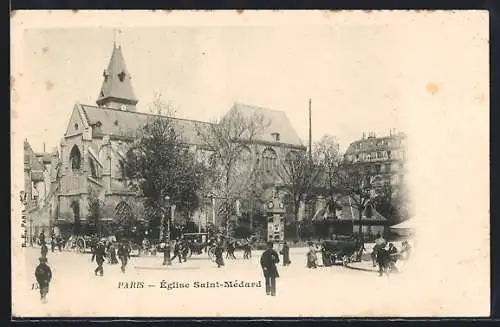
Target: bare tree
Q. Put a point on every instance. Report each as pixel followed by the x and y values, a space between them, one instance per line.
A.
pixel 299 173
pixel 233 168
pixel 327 154
pixel 355 184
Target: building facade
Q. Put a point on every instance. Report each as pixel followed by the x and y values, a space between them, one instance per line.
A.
pixel 382 159
pixel 92 152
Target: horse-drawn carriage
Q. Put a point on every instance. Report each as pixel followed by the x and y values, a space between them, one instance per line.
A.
pixel 346 250
pixel 197 243
pixel 81 244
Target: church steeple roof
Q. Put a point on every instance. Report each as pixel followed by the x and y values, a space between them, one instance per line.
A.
pixel 116 90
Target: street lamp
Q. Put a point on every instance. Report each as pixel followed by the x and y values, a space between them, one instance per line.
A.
pixel 166 200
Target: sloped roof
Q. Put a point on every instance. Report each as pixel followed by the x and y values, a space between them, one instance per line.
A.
pixel 278 123
pixel 121 123
pixel 117 82
pixel 375 144
pixel 33 162
pixel 351 213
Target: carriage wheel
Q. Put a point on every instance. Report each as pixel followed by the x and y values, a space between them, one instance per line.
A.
pixel 211 254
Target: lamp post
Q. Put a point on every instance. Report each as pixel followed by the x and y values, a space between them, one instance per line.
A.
pixel 166 200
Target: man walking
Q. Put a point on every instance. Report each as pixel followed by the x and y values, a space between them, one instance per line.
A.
pixel 43 276
pixel 285 251
pixel 177 251
pixel 219 260
pixel 44 250
pixel 124 255
pixel 268 262
pixel 99 255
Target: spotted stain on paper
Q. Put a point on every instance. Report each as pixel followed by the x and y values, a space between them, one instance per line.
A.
pixel 432 88
pixel 49 85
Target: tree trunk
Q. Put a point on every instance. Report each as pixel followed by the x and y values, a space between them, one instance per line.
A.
pixel 360 221
pixel 296 209
pixel 250 218
pixel 162 227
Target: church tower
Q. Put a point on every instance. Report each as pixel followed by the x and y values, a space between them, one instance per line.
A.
pixel 116 91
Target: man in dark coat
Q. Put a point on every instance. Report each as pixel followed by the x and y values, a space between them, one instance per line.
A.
pixel 124 255
pixel 99 255
pixel 268 262
pixel 44 250
pixel 393 257
pixel 383 259
pixel 112 254
pixel 43 276
pixel 177 251
pixel 219 260
pixel 184 249
pixel 52 242
pixel 285 251
pixel 166 254
pixel 41 238
pixel 230 249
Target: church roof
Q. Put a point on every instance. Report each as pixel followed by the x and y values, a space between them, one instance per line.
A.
pixel 278 123
pixel 117 84
pixel 119 123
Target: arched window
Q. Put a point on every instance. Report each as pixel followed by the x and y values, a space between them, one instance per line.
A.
pixel 75 158
pixel 269 160
pixel 123 213
pixel 123 169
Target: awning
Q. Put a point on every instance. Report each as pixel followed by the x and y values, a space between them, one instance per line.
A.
pixel 95 156
pixel 407 224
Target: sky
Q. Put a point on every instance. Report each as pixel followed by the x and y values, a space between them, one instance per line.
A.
pixel 357 73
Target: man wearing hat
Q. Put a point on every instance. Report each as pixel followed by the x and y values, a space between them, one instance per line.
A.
pixel 268 262
pixel 99 254
pixel 43 276
pixel 124 254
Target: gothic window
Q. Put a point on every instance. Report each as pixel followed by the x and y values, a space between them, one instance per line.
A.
pixel 75 158
pixel 123 213
pixel 93 168
pixel 123 169
pixel 269 160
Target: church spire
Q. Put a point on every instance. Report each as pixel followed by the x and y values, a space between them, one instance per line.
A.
pixel 116 91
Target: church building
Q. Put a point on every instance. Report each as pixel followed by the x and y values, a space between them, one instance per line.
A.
pixel 92 151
